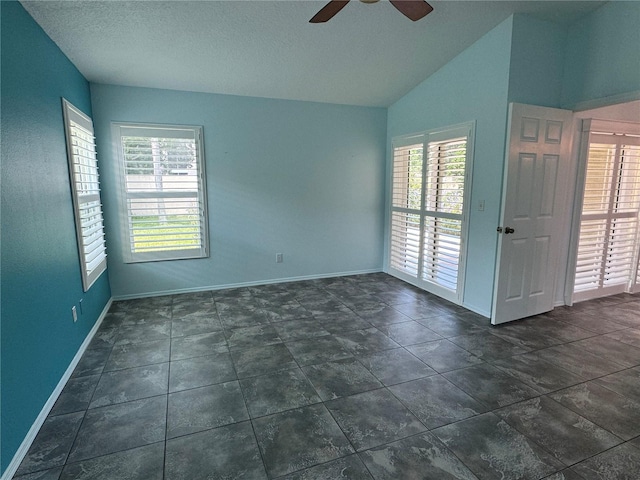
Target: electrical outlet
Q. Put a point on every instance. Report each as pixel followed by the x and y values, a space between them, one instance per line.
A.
pixel 481 206
pixel 74 313
pixel 279 258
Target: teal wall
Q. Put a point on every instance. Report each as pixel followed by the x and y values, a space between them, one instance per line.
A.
pixel 304 179
pixel 602 57
pixel 537 62
pixel 40 266
pixel 473 86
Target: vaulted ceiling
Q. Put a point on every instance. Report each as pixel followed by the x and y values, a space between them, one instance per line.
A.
pixel 368 54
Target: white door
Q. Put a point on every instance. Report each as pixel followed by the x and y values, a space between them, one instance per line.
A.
pixel 533 200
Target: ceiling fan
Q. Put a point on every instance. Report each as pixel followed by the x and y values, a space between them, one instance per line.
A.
pixel 412 9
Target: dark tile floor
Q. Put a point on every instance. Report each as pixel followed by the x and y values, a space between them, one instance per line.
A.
pixel 355 377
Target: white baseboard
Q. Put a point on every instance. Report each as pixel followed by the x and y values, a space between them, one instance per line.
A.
pixel 37 424
pixel 243 284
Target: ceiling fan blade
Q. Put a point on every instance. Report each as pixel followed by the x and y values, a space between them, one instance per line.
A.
pixel 328 11
pixel 412 9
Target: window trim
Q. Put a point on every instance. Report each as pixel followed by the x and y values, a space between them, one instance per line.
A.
pixel 120 129
pixel 424 139
pixel 89 276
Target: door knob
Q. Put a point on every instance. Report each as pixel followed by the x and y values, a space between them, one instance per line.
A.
pixel 499 229
pixel 508 230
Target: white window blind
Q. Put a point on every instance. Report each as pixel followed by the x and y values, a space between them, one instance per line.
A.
pixel 85 187
pixel 163 183
pixel 428 221
pixel 607 258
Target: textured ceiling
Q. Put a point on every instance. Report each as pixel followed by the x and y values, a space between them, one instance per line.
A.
pixel 369 54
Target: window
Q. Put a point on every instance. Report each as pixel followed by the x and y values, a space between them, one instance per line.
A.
pixel 431 172
pixel 85 188
pixel 164 193
pixel 608 244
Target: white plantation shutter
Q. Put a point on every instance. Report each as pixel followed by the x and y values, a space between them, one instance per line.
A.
pixel 607 258
pixel 428 203
pixel 406 204
pixel 85 187
pixel 163 186
pixel 444 201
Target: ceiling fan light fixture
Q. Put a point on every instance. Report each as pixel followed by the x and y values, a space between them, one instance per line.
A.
pixel 412 9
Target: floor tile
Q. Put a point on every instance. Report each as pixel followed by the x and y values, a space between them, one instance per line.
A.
pixel 142 463
pixel 195 308
pixel 621 314
pixel 235 455
pixel 260 360
pixel 276 392
pixel 545 377
pixel 76 395
pixel 612 350
pixel 323 305
pixel 395 366
pixel 593 323
pixel 52 444
pixel 146 315
pixel 608 409
pixel 50 474
pixel 564 475
pixel 318 350
pixel 619 463
pixel 337 322
pixel 131 384
pixel 436 401
pixel 113 318
pixel 201 371
pixel 491 386
pixel 383 316
pixel 130 334
pixel 299 329
pixel 443 356
pixel 235 317
pixel 258 335
pixel 373 418
pixel 92 362
pixel 138 355
pixel 364 342
pixel 120 427
pixel 450 325
pixel 104 338
pixel 418 457
pixel 566 435
pixel 409 333
pixel 198 345
pixel 419 309
pixel 487 346
pixel 492 449
pixel 298 439
pixel 526 334
pixel 216 371
pixel 625 383
pixel 577 360
pixel 340 378
pixel 345 468
pixel 191 411
pixel 195 325
pixel 630 336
